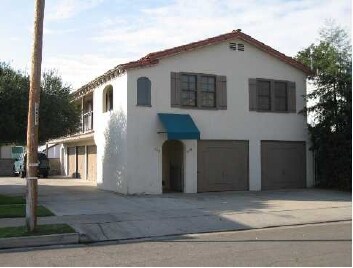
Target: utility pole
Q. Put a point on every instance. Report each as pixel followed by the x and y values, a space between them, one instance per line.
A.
pixel 33 118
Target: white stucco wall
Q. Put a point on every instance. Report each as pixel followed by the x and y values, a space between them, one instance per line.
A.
pixel 110 136
pixel 144 145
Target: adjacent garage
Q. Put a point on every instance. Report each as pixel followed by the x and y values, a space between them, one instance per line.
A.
pixel 222 165
pixel 82 162
pixel 283 165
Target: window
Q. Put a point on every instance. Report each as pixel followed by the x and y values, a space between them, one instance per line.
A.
pixel 263 95
pixel 108 98
pixel 208 91
pixel 143 91
pixel 197 90
pixel 281 104
pixel 188 90
pixel 267 95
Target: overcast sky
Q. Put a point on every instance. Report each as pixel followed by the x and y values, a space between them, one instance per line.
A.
pixel 84 38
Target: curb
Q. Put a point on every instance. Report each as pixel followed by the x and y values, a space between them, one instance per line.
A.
pixel 41 240
pixel 84 239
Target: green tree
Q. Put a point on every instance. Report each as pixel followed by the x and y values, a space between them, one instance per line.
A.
pixel 58 116
pixel 14 87
pixel 331 106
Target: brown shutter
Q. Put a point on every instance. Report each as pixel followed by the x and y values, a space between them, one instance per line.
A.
pixel 291 97
pixel 175 89
pixel 252 95
pixel 221 92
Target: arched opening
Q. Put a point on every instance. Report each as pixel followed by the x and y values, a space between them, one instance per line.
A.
pixel 108 98
pixel 143 91
pixel 173 166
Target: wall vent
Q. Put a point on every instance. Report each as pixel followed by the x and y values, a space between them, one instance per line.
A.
pixel 233 46
pixel 240 47
pixel 236 46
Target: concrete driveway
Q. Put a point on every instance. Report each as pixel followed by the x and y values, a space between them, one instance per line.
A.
pixel 101 215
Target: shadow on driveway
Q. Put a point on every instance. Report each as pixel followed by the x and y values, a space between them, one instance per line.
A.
pixel 102 215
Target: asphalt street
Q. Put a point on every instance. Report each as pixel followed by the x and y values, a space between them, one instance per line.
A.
pixel 327 244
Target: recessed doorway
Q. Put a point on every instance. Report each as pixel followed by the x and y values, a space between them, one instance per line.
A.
pixel 172 166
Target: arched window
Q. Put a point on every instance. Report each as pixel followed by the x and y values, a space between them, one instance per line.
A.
pixel 108 98
pixel 143 91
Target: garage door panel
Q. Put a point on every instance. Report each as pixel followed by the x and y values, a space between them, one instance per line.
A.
pixel 71 151
pixel 81 162
pixel 92 163
pixel 283 165
pixel 222 166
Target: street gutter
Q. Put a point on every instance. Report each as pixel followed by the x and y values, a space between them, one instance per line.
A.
pixel 40 240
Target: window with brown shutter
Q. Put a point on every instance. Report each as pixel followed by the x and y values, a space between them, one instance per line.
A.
pixel 264 95
pixel 281 101
pixel 268 95
pixel 208 91
pixel 188 90
pixel 194 90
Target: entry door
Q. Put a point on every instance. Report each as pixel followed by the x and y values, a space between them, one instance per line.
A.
pixel 283 165
pixel 222 165
pixel 173 168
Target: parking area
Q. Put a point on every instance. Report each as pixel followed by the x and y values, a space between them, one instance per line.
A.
pixel 101 215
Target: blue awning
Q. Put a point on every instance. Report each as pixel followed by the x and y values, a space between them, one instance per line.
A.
pixel 179 126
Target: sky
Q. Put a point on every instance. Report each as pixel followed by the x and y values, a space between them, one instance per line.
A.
pixel 85 38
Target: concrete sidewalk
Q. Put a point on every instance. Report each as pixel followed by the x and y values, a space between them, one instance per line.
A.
pixel 102 215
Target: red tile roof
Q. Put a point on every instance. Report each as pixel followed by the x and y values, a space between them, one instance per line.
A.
pixel 153 58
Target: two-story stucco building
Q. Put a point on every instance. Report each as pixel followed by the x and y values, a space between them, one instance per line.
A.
pixel 215 115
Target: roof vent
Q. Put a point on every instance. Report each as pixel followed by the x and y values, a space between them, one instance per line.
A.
pixel 233 46
pixel 236 46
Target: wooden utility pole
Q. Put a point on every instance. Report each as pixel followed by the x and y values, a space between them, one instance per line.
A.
pixel 33 118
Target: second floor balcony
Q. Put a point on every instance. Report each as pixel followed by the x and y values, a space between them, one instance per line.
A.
pixel 86 103
pixel 87 121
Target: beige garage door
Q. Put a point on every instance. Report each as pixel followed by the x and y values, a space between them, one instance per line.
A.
pixel 71 153
pixel 222 166
pixel 92 163
pixel 81 162
pixel 283 165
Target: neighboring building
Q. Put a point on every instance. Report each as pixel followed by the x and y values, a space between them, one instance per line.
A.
pixel 215 115
pixel 53 153
pixel 8 154
pixel 51 150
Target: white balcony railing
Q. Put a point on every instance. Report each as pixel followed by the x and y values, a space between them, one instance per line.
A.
pixel 87 124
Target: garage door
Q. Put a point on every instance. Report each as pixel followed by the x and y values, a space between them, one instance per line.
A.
pixel 283 165
pixel 92 163
pixel 222 166
pixel 81 162
pixel 71 152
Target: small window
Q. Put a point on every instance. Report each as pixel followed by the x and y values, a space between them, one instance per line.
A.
pixel 208 91
pixel 188 90
pixel 281 103
pixel 143 91
pixel 263 95
pixel 108 98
